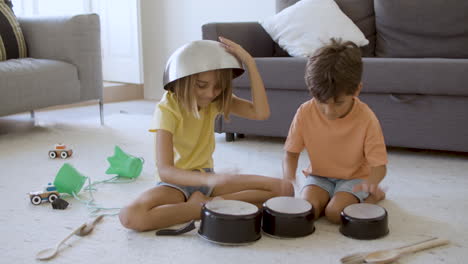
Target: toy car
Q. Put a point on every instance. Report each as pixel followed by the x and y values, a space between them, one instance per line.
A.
pixel 49 194
pixel 60 150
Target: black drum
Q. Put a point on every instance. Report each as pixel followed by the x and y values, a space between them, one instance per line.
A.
pixel 230 222
pixel 364 221
pixel 288 217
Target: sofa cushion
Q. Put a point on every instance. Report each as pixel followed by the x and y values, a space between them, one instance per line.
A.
pixel 361 12
pixel 35 83
pixel 421 28
pixel 429 76
pixel 307 25
pixel 12 44
pixel 250 35
pixel 278 73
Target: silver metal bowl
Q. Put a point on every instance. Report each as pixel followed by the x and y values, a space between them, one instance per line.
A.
pixel 199 56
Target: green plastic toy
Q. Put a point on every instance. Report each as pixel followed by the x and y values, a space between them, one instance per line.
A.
pixel 69 180
pixel 124 165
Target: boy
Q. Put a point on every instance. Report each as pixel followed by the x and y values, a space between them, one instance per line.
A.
pixel 341 134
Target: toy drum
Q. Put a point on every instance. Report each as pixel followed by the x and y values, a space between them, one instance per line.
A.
pixel 230 222
pixel 364 221
pixel 288 217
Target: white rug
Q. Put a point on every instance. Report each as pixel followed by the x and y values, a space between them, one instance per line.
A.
pixel 426 197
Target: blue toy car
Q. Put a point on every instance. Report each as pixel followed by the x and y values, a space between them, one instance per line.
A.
pixel 49 194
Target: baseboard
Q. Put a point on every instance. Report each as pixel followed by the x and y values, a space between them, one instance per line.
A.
pixel 57 107
pixel 112 92
pixel 117 92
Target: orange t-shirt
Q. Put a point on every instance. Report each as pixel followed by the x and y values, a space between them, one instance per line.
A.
pixel 344 148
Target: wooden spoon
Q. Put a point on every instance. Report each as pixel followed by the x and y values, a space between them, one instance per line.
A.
pixel 52 252
pixel 388 256
pixel 82 230
pixel 89 226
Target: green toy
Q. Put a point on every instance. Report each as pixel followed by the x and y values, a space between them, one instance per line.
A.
pixel 69 180
pixel 124 165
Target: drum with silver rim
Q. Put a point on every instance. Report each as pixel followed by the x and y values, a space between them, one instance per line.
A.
pixel 364 221
pixel 288 217
pixel 230 222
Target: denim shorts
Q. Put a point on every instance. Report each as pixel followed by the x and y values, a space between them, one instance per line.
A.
pixel 332 186
pixel 188 190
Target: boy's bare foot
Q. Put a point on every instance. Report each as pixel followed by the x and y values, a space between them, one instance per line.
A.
pixel 375 197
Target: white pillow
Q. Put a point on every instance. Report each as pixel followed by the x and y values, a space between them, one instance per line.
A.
pixel 309 24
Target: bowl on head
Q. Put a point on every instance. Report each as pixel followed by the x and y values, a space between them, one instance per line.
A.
pixel 199 56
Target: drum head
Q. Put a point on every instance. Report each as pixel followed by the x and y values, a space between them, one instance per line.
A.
pixel 231 207
pixel 288 205
pixel 364 211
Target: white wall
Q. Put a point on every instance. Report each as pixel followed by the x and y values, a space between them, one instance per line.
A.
pixel 120 31
pixel 168 24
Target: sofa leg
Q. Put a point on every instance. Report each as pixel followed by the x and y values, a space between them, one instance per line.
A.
pixel 33 116
pixel 229 137
pixel 101 112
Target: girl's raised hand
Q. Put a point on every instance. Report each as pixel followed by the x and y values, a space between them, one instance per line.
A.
pixel 236 50
pixel 221 177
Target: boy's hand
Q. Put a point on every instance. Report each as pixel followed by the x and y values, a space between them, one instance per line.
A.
pixel 236 50
pixel 371 184
pixel 370 187
pixel 288 187
pixel 365 186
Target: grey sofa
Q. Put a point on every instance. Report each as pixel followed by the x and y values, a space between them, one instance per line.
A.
pixel 415 72
pixel 64 65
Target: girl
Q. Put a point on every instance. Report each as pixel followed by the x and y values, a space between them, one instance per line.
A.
pixel 198 82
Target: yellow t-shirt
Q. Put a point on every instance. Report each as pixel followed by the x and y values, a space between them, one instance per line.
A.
pixel 193 138
pixel 343 148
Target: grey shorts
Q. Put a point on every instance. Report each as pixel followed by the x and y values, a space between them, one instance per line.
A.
pixel 332 186
pixel 188 190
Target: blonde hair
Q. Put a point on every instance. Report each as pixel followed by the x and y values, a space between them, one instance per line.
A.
pixel 183 90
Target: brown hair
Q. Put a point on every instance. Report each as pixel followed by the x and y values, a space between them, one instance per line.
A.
pixel 183 90
pixel 334 70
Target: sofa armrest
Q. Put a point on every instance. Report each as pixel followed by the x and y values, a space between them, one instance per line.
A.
pixel 73 39
pixel 250 35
